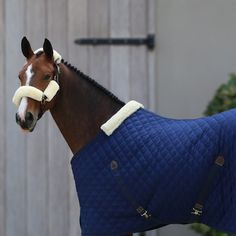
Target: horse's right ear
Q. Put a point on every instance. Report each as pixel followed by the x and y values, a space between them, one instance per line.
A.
pixel 47 48
pixel 26 48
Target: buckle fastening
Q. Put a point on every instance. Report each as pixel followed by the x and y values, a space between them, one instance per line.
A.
pixel 196 212
pixel 44 98
pixel 144 213
pixel 197 209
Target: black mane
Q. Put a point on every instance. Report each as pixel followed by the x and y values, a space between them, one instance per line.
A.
pixel 92 81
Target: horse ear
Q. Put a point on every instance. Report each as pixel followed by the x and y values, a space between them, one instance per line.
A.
pixel 26 48
pixel 47 48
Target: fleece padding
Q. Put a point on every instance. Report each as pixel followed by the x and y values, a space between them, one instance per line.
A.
pixel 36 94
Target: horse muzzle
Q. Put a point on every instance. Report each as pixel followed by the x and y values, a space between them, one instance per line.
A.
pixel 28 120
pixel 28 123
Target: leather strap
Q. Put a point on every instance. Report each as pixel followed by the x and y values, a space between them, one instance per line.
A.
pixel 138 207
pixel 214 172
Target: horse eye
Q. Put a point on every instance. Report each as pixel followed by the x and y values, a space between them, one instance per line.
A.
pixel 47 77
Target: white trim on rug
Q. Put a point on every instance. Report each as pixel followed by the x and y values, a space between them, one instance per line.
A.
pixel 116 120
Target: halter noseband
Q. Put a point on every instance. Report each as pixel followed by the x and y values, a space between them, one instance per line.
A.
pixel 42 96
pixel 36 94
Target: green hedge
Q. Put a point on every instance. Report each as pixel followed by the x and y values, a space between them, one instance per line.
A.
pixel 224 99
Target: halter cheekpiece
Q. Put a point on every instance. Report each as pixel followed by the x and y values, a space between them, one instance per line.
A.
pixel 42 96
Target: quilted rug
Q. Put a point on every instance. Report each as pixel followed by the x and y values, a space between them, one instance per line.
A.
pixel 152 171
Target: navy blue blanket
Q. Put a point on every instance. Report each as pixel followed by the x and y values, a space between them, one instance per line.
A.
pixel 159 164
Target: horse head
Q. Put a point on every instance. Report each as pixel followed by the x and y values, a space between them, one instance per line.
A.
pixel 39 83
pixel 79 108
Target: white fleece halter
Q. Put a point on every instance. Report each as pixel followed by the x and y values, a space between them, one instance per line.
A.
pixel 36 94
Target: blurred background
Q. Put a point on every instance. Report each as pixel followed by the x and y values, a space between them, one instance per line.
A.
pixel 194 52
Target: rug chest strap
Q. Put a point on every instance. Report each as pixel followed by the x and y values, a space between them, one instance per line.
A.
pixel 214 171
pixel 139 208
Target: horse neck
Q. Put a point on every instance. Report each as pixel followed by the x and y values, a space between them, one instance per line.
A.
pixel 81 108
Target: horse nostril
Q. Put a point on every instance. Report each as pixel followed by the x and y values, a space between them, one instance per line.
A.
pixel 29 117
pixel 17 118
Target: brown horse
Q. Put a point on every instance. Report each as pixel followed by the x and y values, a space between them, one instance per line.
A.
pixel 79 105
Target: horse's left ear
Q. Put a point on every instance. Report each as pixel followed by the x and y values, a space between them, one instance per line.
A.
pixel 47 48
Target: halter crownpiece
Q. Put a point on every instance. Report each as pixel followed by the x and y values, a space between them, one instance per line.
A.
pixel 42 96
pixel 56 56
